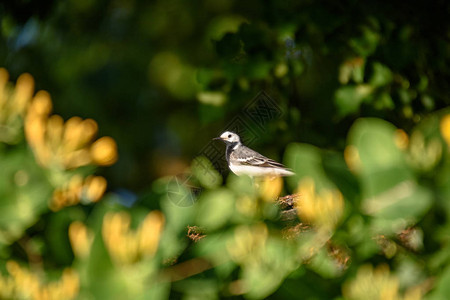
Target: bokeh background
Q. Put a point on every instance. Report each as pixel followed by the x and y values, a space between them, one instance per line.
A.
pixel 118 97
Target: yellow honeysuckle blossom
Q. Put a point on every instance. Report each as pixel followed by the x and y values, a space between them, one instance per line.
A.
pixel 401 139
pixel 55 143
pixel 24 284
pixel 104 151
pixel 248 243
pixel 270 188
pixel 65 145
pixel 13 105
pixel 445 128
pixel 77 189
pixel 127 246
pixel 321 208
pixel 81 239
pixel 377 284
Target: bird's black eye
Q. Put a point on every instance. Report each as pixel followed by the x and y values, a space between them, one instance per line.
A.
pixel 229 136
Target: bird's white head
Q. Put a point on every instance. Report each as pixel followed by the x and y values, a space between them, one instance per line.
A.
pixel 229 137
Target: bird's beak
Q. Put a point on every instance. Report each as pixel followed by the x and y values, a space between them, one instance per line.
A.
pixel 217 138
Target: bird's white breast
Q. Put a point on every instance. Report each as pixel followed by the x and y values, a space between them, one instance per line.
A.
pixel 258 171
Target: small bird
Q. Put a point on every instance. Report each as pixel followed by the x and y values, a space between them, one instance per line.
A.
pixel 245 161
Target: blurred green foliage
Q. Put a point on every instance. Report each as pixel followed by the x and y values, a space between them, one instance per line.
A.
pixel 362 88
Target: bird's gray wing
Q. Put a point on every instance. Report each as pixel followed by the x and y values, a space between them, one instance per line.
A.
pixel 247 156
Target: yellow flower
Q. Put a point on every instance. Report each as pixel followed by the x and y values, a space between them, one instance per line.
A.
pixel 23 284
pixel 78 133
pixel 323 208
pixel 372 284
pixel 65 145
pixel 271 188
pixel 81 239
pixel 94 187
pixel 127 246
pixel 4 76
pixel 401 139
pixel 149 233
pixel 104 151
pixel 41 104
pixel 13 104
pixel 445 128
pixel 23 93
pixel 78 189
pixel 248 243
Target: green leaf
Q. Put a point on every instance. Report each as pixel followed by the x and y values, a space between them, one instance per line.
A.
pixel 381 75
pixel 348 99
pixel 24 193
pixel 205 172
pixel 323 264
pixel 265 276
pixel 215 208
pixel 442 290
pixel 389 188
pixel 306 161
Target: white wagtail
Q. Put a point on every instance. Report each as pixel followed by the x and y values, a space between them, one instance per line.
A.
pixel 245 161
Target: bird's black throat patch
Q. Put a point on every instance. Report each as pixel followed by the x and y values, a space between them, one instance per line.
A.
pixel 230 148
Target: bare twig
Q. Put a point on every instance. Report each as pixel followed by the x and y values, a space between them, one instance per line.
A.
pixel 186 269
